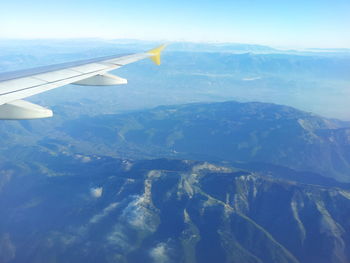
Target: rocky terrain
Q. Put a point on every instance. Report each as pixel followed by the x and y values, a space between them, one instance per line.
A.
pixel 99 209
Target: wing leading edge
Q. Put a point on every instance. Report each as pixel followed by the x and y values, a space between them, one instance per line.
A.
pixel 15 86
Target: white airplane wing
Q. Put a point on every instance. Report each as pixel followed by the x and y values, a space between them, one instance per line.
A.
pixel 14 86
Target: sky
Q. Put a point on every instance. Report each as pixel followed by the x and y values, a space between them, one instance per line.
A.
pixel 283 23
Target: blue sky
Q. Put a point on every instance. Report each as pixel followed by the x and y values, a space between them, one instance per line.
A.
pixel 297 23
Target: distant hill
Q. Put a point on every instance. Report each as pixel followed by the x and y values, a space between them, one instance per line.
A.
pixel 232 131
pixel 228 131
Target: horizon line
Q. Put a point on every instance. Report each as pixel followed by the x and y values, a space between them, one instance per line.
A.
pixel 209 42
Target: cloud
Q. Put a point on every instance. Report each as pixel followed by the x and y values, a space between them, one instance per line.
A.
pixel 96 192
pixel 82 158
pixel 127 165
pixel 159 253
pixel 86 159
pixel 251 78
pixel 104 213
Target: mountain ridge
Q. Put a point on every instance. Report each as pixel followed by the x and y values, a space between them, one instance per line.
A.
pixel 232 131
pixel 174 210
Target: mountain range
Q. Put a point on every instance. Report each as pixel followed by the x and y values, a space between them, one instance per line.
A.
pixel 76 208
pixel 204 182
pixel 231 131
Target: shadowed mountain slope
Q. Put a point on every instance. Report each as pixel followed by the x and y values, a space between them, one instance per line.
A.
pixel 98 209
pixel 232 131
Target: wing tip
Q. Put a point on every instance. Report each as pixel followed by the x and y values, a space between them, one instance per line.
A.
pixel 156 54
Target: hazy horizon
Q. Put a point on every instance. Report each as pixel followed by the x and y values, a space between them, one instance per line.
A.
pixel 171 43
pixel 310 80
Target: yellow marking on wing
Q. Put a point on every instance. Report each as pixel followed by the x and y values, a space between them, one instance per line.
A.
pixel 156 54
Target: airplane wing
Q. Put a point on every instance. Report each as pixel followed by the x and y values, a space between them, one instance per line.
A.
pixel 14 86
